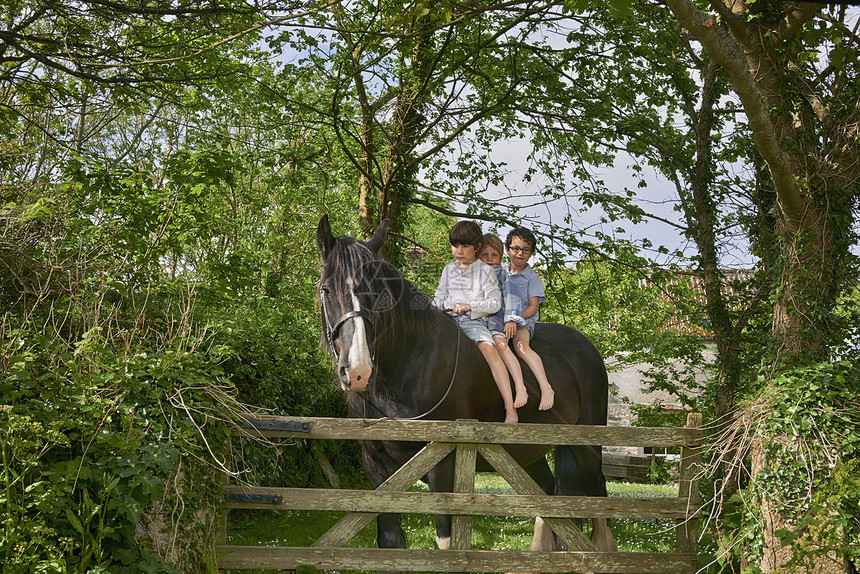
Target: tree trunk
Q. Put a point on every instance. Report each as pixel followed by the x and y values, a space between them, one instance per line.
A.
pixel 400 168
pixel 387 170
pixel 805 291
pixel 366 206
pixel 774 554
pixel 701 220
pixel 756 54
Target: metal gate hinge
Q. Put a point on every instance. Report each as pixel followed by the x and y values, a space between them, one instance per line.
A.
pixel 277 425
pixel 253 498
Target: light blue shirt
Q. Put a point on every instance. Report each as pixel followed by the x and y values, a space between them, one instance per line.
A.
pixel 520 288
pixel 496 321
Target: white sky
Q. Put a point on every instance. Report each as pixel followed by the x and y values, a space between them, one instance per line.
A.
pixel 657 198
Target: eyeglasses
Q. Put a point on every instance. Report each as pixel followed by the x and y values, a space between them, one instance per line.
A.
pixel 523 250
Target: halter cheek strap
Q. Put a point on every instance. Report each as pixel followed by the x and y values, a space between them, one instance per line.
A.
pixel 331 332
pixel 344 319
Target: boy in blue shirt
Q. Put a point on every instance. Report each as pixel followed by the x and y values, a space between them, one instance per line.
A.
pixel 525 294
pixel 491 254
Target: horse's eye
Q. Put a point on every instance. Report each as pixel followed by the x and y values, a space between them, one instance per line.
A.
pixel 324 291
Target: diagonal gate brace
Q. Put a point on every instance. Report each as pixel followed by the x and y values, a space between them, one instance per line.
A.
pixel 511 471
pixel 406 476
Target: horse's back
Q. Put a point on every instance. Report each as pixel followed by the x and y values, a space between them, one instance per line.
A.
pixel 577 373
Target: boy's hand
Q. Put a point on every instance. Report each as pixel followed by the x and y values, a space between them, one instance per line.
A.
pixel 510 329
pixel 460 308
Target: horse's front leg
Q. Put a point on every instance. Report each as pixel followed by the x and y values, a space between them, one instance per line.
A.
pixel 441 479
pixel 389 531
pixel 378 466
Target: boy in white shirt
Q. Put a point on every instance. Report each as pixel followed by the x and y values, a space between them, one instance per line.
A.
pixel 469 292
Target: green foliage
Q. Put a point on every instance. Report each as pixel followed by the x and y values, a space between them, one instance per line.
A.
pixel 92 440
pixel 141 301
pixel 277 367
pixel 804 428
pixel 661 470
pixel 656 415
pixel 847 320
pixel 633 317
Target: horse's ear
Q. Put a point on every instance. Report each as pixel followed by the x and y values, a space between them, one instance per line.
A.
pixel 325 239
pixel 375 243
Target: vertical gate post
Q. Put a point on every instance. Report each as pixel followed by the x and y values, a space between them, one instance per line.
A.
pixel 464 481
pixel 221 535
pixel 687 529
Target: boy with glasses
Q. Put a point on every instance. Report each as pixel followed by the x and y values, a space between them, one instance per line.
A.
pixel 525 292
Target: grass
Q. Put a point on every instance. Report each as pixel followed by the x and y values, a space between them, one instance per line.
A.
pixel 301 528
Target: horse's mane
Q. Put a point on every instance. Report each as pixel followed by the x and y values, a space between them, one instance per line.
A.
pixel 393 303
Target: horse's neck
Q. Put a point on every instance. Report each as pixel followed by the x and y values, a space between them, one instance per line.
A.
pixel 420 366
pixel 414 345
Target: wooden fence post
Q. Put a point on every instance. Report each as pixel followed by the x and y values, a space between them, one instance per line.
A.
pixel 464 481
pixel 221 535
pixel 687 530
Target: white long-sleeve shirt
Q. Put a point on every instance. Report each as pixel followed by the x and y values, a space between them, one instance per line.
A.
pixel 477 286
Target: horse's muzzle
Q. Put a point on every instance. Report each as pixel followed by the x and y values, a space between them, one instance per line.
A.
pixel 356 377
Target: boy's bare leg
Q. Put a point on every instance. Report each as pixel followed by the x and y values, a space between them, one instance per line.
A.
pixel 510 360
pixel 533 360
pixel 500 374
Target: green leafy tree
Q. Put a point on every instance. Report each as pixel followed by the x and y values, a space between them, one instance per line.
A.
pixel 793 68
pixel 410 87
pixel 153 271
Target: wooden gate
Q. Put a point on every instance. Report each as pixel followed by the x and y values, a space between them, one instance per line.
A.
pixel 470 439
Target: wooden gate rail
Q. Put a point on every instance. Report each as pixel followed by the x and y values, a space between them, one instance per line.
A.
pixel 470 439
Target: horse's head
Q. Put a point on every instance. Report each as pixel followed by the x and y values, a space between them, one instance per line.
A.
pixel 352 293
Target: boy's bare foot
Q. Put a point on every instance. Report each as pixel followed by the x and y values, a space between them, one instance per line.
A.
pixel 522 397
pixel 511 416
pixel 547 399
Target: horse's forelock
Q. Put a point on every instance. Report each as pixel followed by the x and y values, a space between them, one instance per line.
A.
pixel 350 266
pixel 350 270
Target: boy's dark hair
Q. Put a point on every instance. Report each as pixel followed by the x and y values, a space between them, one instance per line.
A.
pixel 465 233
pixel 524 234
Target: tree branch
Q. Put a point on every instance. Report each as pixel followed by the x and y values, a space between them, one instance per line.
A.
pixel 724 50
pixel 797 16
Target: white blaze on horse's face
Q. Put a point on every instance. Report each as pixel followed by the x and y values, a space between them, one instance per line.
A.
pixel 359 368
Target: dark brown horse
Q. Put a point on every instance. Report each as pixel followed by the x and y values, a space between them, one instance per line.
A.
pixel 395 355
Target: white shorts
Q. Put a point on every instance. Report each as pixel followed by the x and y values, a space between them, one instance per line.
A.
pixel 475 329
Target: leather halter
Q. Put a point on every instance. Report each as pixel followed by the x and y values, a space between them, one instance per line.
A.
pixel 331 332
pixel 331 335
